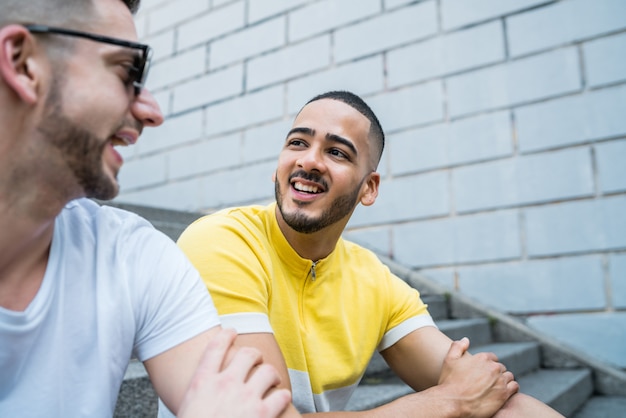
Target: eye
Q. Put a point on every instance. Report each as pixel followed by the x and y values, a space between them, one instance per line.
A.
pixel 296 143
pixel 335 152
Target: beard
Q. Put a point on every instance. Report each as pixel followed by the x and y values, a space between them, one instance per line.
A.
pixel 339 208
pixel 80 149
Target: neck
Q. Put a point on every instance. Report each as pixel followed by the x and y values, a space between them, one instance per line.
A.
pixel 29 204
pixel 314 246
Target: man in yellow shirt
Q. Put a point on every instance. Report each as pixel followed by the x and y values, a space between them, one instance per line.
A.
pixel 318 306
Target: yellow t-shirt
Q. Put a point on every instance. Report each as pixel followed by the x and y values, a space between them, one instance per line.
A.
pixel 328 317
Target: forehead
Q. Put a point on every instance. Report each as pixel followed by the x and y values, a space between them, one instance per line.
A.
pixel 328 116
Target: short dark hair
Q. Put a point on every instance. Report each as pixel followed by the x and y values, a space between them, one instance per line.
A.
pixel 133 5
pixel 73 14
pixel 376 130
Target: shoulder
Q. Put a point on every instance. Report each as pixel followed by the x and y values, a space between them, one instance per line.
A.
pixel 362 256
pixel 93 216
pixel 243 222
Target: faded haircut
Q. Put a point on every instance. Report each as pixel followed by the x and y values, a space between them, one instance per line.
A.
pixel 376 134
pixel 74 14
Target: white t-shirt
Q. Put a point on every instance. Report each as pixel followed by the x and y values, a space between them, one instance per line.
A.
pixel 114 287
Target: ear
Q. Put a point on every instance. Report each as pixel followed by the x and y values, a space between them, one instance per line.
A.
pixel 17 62
pixel 370 191
pixel 274 177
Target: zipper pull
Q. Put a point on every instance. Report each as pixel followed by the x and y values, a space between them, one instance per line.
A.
pixel 313 276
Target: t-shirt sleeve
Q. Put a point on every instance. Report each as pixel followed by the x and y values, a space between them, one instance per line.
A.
pixel 172 304
pixel 407 311
pixel 225 252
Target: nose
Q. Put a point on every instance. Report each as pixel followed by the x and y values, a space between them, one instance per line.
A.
pixel 311 160
pixel 146 109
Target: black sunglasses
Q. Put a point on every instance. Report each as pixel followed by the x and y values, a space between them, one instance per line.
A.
pixel 138 73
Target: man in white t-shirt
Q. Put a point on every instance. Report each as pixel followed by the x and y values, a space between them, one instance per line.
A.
pixel 84 287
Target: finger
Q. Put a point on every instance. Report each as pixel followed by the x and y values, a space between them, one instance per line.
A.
pixel 458 348
pixel 263 379
pixel 244 361
pixel 216 349
pixel 277 401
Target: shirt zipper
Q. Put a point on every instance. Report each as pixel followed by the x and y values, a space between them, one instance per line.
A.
pixel 313 275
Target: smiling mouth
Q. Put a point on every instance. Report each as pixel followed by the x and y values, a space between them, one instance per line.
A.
pixel 306 188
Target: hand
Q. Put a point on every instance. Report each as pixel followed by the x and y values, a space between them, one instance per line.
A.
pixel 479 384
pixel 233 385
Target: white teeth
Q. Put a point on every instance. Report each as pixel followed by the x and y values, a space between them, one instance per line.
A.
pixel 303 188
pixel 121 140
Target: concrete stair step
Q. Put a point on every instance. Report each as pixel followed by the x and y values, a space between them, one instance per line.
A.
pixel 437 306
pixel 477 330
pixel 564 390
pixel 518 357
pixel 603 407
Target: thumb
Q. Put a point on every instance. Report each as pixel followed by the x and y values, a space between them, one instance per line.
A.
pixel 458 348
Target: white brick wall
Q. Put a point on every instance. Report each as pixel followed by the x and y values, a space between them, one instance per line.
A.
pixel 505 121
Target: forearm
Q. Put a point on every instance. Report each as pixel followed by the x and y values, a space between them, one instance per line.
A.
pixel 435 402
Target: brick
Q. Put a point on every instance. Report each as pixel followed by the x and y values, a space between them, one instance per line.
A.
pixel 419 149
pixel 427 198
pixel 538 77
pixel 252 183
pixel 617 272
pixel 143 172
pixel 262 9
pixel 162 44
pixel 212 25
pixel 175 131
pixel 475 238
pixel 611 160
pixel 174 12
pixel 264 142
pixel 249 42
pixel 563 22
pixel 326 15
pixel 601 334
pixel 480 138
pixel 446 54
pixel 287 62
pixel 533 179
pixel 177 68
pixel 204 157
pixel 376 239
pixel 409 107
pixel 210 88
pixel 575 283
pixel 217 3
pixel 456 13
pixel 572 120
pixel 576 227
pixel 370 80
pixel 391 29
pixel 467 140
pixel 605 60
pixel 392 4
pixel 263 106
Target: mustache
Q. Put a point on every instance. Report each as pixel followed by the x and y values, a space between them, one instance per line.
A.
pixel 314 177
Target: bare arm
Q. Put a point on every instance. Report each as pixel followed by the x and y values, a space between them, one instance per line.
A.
pixel 234 389
pixel 477 384
pixel 207 376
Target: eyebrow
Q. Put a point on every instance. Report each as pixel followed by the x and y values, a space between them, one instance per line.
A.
pixel 329 137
